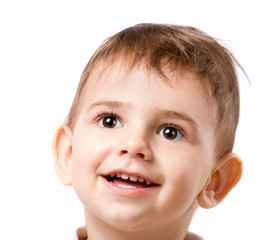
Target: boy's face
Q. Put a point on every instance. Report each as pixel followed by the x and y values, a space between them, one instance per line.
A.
pixel 136 127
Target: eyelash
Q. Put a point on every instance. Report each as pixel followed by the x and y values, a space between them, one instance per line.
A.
pixel 102 114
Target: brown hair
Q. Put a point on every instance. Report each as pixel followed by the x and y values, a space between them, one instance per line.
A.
pixel 178 48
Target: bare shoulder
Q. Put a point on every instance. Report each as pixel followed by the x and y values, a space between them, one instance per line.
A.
pixel 192 236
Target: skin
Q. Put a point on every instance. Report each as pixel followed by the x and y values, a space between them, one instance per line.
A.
pixel 183 168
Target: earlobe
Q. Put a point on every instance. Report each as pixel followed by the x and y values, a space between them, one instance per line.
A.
pixel 62 152
pixel 225 176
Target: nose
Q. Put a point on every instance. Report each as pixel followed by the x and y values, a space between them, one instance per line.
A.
pixel 135 146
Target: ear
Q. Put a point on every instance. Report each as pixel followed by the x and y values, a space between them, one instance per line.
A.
pixel 224 177
pixel 62 152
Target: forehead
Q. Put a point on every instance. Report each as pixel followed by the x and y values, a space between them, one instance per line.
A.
pixel 119 82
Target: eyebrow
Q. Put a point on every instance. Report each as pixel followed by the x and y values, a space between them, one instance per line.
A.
pixel 109 104
pixel 182 116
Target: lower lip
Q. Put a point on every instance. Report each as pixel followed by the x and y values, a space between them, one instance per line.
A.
pixel 126 190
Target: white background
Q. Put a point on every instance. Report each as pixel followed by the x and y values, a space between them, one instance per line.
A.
pixel 44 46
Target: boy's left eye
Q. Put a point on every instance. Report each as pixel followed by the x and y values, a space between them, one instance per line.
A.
pixel 110 121
pixel 170 133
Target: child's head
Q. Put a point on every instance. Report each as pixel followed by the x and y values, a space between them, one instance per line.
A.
pixel 161 48
pixel 151 130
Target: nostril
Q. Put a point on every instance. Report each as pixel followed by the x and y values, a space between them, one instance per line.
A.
pixel 122 152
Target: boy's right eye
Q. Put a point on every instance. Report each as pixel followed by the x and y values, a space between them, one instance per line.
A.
pixel 109 121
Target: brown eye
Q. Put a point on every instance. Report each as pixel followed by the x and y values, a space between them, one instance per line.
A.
pixel 170 133
pixel 110 122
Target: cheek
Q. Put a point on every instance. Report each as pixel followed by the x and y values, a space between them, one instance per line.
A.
pixel 82 175
pixel 87 155
pixel 179 196
pixel 185 175
pixel 88 150
pixel 182 183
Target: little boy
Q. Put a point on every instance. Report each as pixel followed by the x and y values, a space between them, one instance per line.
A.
pixel 149 136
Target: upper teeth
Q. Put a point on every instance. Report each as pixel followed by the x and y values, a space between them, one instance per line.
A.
pixel 131 178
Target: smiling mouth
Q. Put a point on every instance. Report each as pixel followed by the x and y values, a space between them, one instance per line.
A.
pixel 124 180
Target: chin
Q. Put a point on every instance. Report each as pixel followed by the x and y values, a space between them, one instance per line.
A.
pixel 128 221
